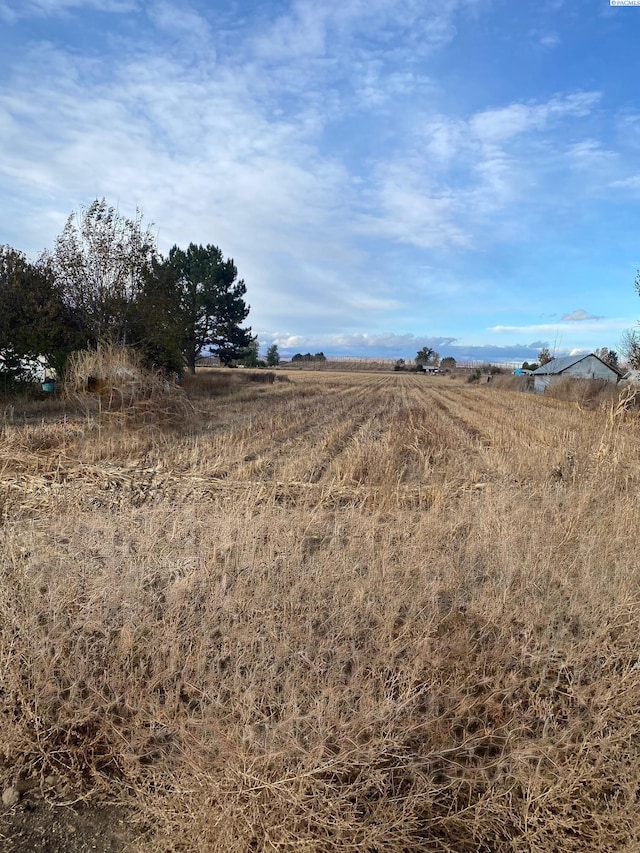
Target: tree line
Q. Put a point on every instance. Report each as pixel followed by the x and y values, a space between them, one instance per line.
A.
pixel 105 280
pixel 318 357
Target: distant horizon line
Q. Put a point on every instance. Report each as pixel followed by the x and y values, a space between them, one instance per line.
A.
pixel 392 360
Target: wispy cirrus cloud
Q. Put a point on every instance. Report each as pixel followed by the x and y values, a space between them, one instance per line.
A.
pixel 631 183
pixel 592 325
pixel 317 144
pixel 182 23
pixel 505 123
pixel 590 155
pixel 454 176
pixel 548 40
pixel 391 29
pixel 13 10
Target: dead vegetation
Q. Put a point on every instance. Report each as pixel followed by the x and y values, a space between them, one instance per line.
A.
pixel 110 382
pixel 586 393
pixel 340 613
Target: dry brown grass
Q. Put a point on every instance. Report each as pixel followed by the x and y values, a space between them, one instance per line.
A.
pixel 341 613
pixel 110 382
pixel 508 382
pixel 587 393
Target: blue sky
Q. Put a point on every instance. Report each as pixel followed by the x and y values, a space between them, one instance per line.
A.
pixel 385 173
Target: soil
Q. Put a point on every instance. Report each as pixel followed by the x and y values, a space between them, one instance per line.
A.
pixel 34 824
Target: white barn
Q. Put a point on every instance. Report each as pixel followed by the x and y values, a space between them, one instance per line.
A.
pixel 573 367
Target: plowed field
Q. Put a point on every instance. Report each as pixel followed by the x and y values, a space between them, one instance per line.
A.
pixel 343 612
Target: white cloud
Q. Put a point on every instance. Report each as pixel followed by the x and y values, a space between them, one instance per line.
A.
pixel 14 9
pixel 500 125
pixel 590 155
pixel 350 56
pixel 377 86
pixel 587 326
pixel 505 123
pixel 392 345
pixel 229 130
pixel 579 315
pixel 202 160
pixel 389 340
pixel 544 38
pixel 442 138
pixel 316 30
pixel 549 40
pixel 286 341
pixel 181 22
pixel 628 127
pixel 422 216
pixel 382 341
pixel 632 183
pixel 174 139
pixel 454 177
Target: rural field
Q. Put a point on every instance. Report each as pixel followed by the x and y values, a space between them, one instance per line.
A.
pixel 340 612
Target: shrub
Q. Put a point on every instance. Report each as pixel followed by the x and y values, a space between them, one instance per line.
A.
pixel 112 381
pixel 514 383
pixel 589 393
pixel 211 382
pixel 267 376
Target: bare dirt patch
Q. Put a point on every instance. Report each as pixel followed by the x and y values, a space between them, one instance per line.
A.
pixel 35 824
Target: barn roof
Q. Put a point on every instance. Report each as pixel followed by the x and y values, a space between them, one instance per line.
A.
pixel 559 365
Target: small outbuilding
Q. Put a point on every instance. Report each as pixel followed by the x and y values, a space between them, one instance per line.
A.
pixel 573 367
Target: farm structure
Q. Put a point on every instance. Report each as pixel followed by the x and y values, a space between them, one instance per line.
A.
pixel 35 368
pixel 573 367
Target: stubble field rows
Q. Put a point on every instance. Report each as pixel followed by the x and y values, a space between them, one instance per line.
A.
pixel 341 612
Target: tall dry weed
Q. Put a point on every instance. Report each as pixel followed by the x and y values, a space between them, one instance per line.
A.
pixel 111 382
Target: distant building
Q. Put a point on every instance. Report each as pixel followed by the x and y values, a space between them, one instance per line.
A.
pixel 573 367
pixel 33 368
